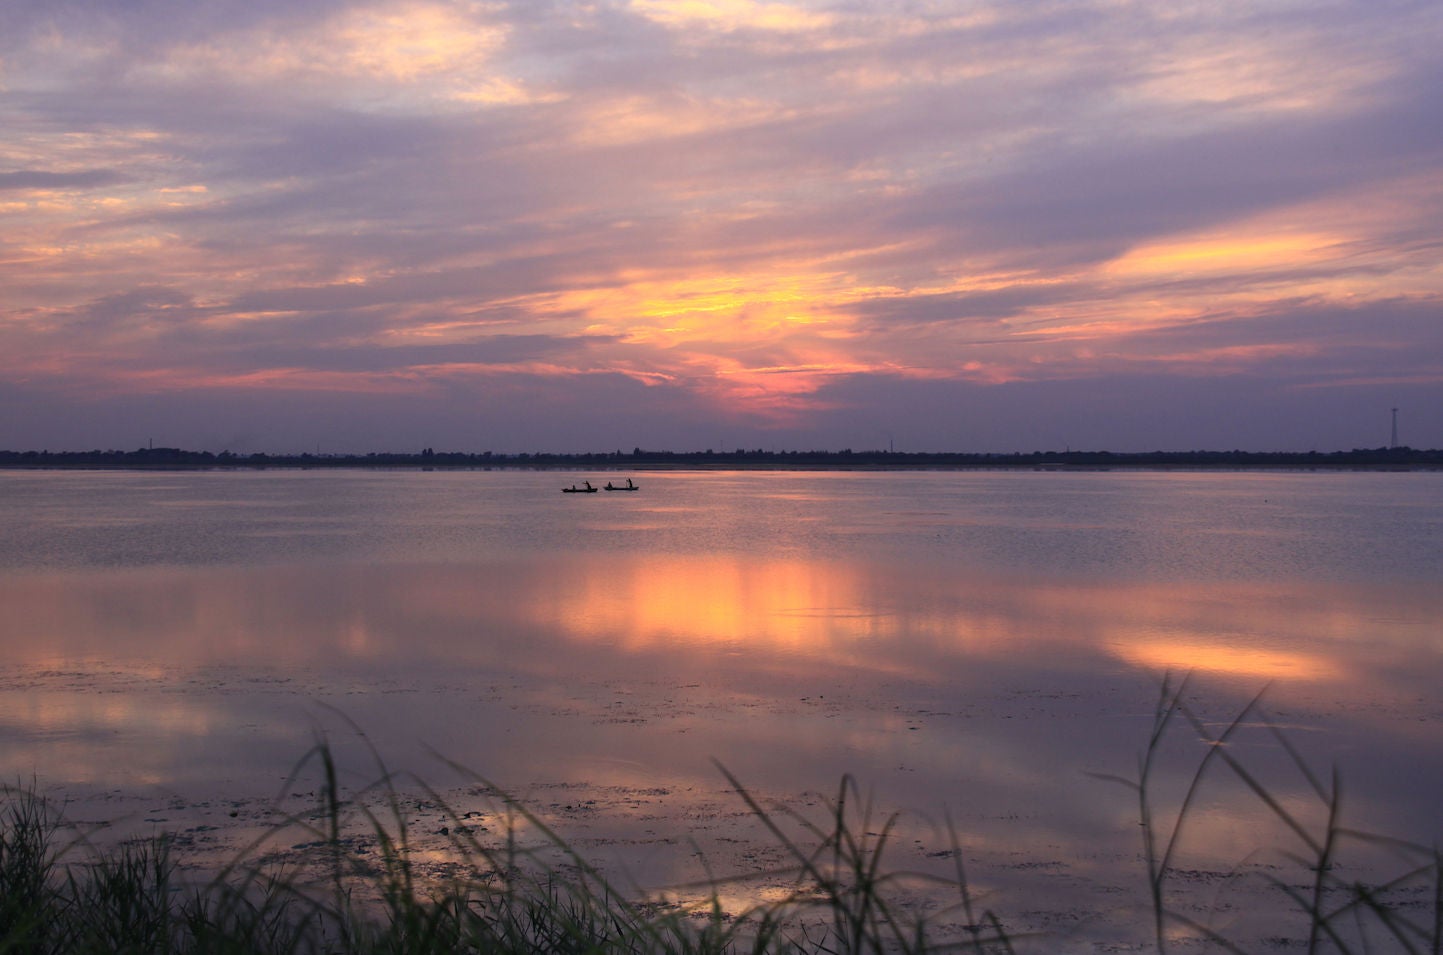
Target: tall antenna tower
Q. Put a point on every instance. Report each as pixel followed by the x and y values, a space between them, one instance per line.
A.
pixel 1394 442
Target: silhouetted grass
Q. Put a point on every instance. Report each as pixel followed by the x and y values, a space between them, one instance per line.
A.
pixel 1339 915
pixel 508 894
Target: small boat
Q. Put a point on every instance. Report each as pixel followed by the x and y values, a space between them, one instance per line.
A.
pixel 617 487
pixel 588 489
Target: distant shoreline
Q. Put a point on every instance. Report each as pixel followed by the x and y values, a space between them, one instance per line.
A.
pixel 176 459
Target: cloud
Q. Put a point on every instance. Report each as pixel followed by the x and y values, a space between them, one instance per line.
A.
pixel 741 212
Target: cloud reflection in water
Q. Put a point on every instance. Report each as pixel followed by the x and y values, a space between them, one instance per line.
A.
pixel 992 694
pixel 730 632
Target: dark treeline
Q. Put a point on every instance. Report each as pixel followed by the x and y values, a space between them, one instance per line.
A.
pixel 176 458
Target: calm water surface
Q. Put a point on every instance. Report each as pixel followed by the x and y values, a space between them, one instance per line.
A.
pixel 984 642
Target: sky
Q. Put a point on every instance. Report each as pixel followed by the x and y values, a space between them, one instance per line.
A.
pixel 546 225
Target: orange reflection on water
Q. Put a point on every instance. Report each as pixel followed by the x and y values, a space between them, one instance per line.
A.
pixel 933 626
pixel 1233 661
pixel 1296 633
pixel 626 670
pixel 737 614
pixel 773 604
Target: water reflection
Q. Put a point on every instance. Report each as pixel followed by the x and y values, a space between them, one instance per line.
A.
pixel 978 641
pixel 726 629
pixel 992 694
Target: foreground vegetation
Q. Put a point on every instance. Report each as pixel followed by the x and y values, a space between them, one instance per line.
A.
pixel 65 897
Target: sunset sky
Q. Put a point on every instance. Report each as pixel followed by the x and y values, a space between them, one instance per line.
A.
pixel 543 225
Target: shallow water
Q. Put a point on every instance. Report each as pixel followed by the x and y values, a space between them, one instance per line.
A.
pixel 985 642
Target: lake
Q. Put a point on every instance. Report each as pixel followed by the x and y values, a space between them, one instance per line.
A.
pixel 986 645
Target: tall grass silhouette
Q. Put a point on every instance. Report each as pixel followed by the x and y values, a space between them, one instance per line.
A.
pixel 1351 916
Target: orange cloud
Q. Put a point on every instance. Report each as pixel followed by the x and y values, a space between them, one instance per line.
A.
pixel 1228 251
